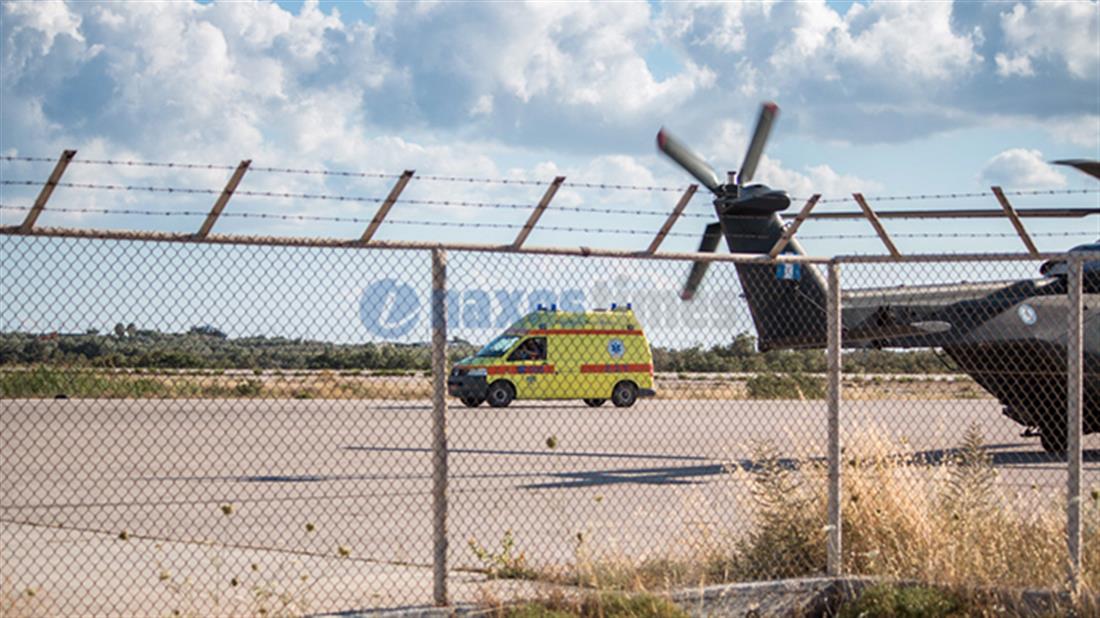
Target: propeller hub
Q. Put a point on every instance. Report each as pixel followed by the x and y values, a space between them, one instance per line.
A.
pixel 753 200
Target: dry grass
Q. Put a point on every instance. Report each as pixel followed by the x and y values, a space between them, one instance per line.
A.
pixel 47 382
pixel 953 524
pixel 856 388
pixel 44 382
pixel 950 525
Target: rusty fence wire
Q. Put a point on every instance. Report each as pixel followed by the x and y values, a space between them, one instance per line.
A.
pixel 227 429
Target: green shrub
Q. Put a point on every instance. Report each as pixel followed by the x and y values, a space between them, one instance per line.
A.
pixel 535 610
pixel 248 388
pixel 597 605
pixel 506 563
pixel 888 601
pixel 48 382
pixel 785 386
pixel 613 605
pixel 787 539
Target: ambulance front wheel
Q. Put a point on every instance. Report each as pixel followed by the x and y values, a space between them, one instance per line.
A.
pixel 501 393
pixel 594 403
pixel 624 394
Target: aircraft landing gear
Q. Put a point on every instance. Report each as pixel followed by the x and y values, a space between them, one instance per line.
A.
pixel 1053 440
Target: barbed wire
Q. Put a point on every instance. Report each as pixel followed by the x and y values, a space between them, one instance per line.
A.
pixel 517 181
pixel 28 159
pixel 350 198
pixel 551 209
pixel 309 172
pixel 578 184
pixel 951 196
pixel 125 163
pixel 352 174
pixel 342 219
pixel 950 235
pixel 451 203
pixel 484 225
pixel 114 187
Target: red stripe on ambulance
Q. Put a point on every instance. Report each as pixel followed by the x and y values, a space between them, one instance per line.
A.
pixel 617 368
pixel 518 369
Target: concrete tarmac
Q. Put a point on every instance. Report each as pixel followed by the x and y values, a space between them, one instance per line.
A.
pixel 142 507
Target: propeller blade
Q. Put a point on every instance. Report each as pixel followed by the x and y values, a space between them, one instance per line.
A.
pixel 708 244
pixel 1092 168
pixel 693 163
pixel 756 147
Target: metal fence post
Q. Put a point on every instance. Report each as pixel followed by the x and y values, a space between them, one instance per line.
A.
pixel 833 326
pixel 439 426
pixel 1074 385
pixel 47 190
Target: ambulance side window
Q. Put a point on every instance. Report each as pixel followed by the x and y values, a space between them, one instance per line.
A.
pixel 533 349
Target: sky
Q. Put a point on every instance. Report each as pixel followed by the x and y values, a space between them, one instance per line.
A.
pixel 884 98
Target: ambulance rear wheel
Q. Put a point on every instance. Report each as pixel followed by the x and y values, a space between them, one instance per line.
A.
pixel 500 394
pixel 594 403
pixel 624 394
pixel 472 402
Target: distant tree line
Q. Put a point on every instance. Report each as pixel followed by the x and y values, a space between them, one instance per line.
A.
pixel 206 347
pixel 741 356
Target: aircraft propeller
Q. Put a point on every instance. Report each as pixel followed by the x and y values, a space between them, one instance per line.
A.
pixel 733 197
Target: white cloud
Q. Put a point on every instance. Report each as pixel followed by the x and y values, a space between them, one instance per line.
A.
pixel 1021 167
pixel 483 106
pixel 1015 66
pixel 814 30
pixel 910 58
pixel 821 179
pixel 1082 131
pixel 587 56
pixel 912 39
pixel 1068 31
pixel 803 39
pixel 50 18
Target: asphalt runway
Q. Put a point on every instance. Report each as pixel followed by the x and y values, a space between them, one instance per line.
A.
pixel 140 507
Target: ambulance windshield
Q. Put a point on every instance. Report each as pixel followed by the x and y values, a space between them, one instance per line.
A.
pixel 497 347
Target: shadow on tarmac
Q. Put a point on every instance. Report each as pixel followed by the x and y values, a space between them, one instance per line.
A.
pixel 1001 455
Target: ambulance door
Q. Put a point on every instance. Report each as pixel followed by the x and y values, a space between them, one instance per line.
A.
pixel 565 355
pixel 528 368
pixel 555 383
pixel 591 382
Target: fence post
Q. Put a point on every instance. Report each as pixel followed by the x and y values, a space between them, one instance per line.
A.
pixel 439 427
pixel 1074 386
pixel 223 199
pixel 47 191
pixel 833 325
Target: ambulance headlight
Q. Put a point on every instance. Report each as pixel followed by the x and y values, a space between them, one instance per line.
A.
pixel 478 373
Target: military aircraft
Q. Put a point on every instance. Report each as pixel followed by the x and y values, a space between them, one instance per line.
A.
pixel 1009 336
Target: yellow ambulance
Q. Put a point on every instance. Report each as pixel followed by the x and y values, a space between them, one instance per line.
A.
pixel 550 354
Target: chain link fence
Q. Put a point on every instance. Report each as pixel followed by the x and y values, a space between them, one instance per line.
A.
pixel 226 429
